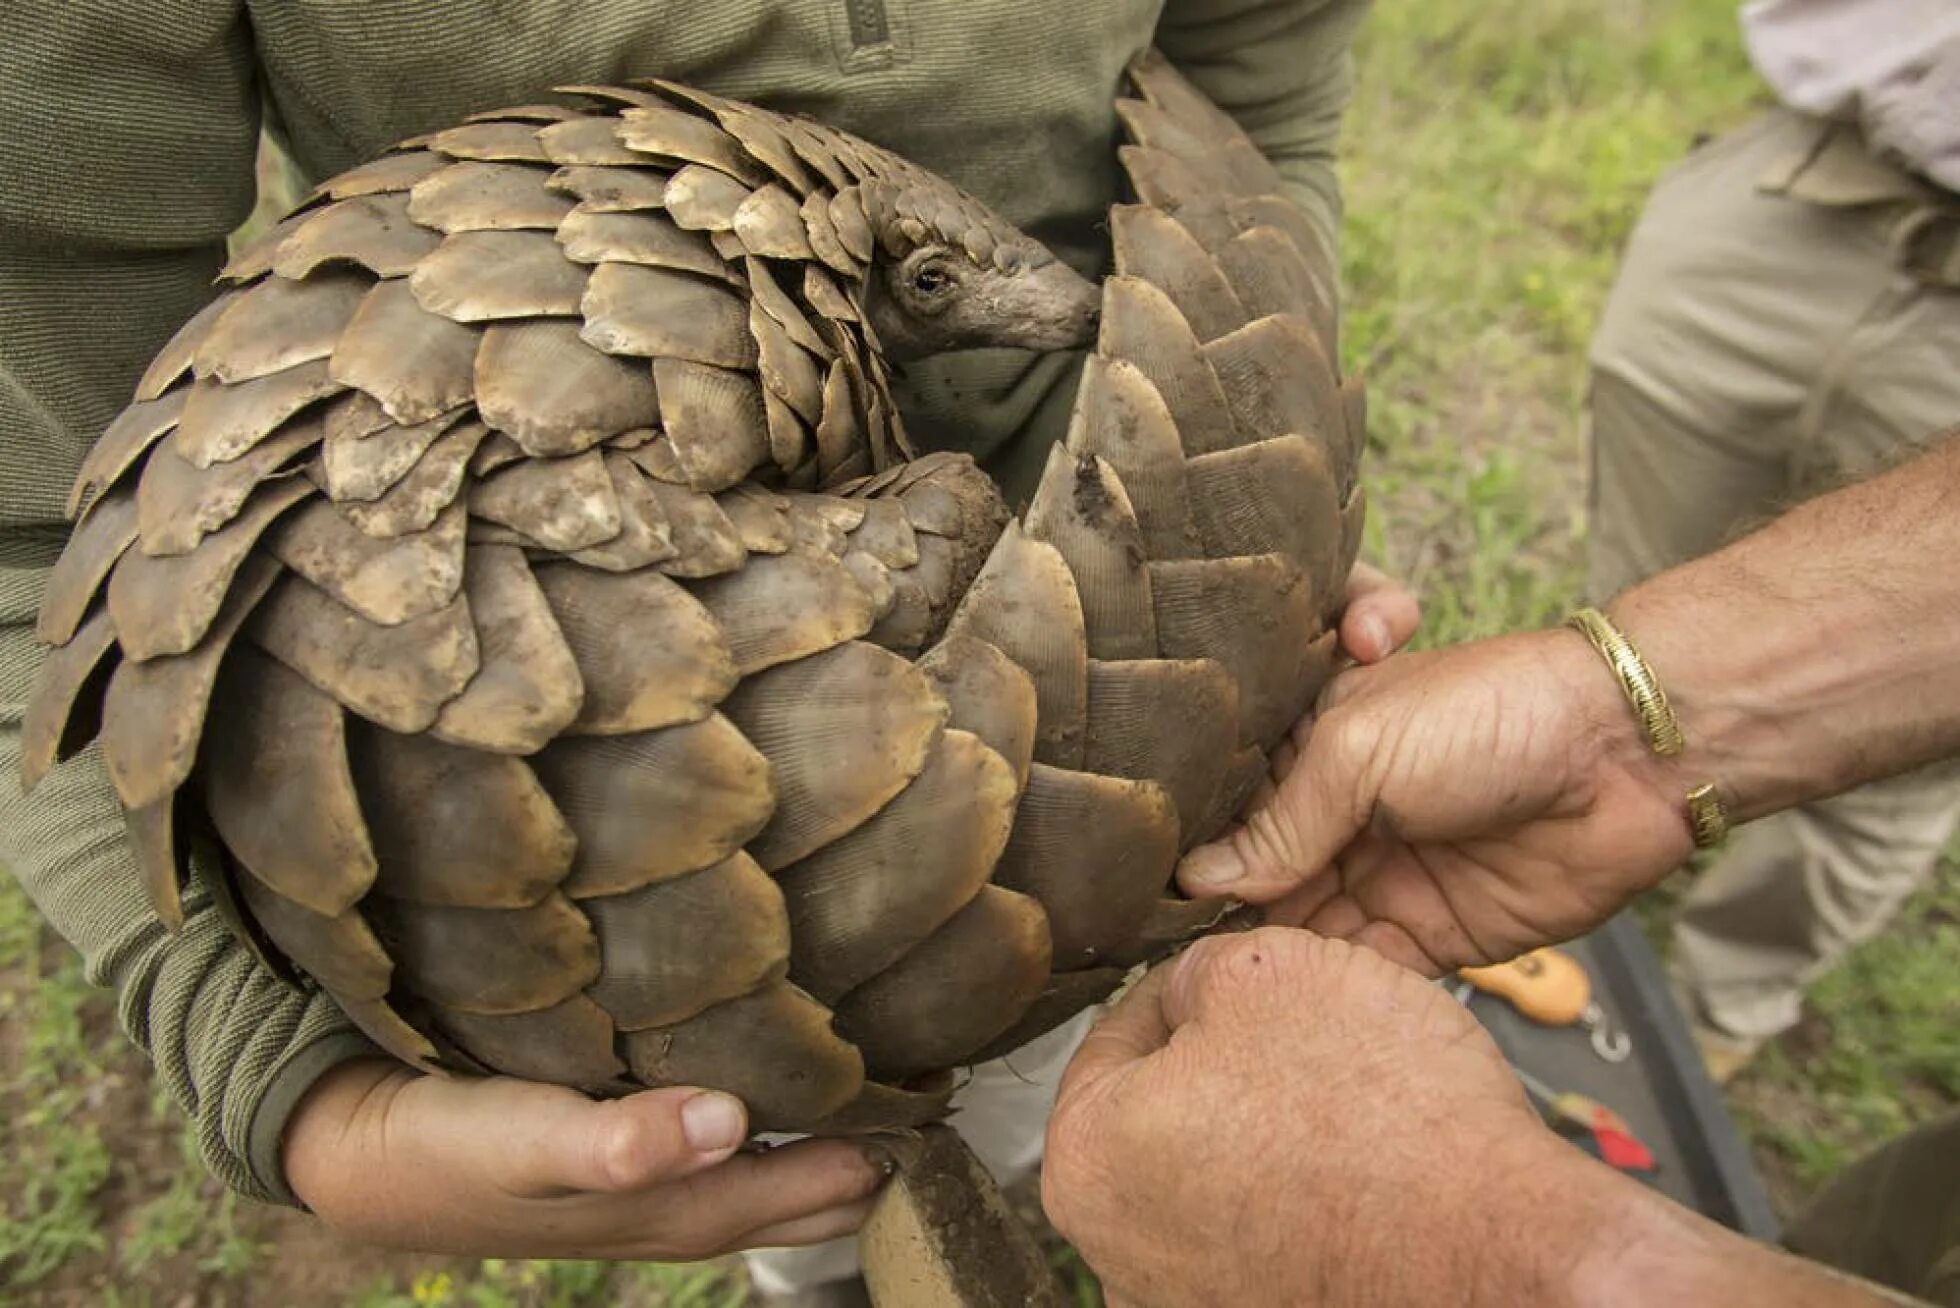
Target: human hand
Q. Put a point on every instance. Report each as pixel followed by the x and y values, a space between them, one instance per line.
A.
pixel 497 1167
pixel 1378 616
pixel 1276 1118
pixel 1458 807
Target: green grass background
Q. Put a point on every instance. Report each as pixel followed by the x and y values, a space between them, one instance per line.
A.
pixel 1498 155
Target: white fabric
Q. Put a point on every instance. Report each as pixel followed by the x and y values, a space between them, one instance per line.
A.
pixel 1890 66
pixel 1002 1113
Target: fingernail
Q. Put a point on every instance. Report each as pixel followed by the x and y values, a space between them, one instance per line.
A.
pixel 1374 629
pixel 1211 865
pixel 713 1122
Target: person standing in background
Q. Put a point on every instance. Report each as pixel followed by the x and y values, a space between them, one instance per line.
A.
pixel 1788 316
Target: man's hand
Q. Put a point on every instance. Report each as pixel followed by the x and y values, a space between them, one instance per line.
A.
pixel 506 1168
pixel 1459 807
pixel 1275 1118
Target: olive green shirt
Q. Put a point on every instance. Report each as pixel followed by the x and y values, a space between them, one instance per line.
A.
pixel 127 156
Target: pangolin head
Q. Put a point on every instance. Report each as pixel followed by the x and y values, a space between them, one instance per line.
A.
pixel 950 274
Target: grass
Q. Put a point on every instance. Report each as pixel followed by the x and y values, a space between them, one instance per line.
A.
pixel 1494 168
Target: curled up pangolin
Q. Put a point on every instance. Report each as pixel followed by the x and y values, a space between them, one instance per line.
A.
pixel 517 589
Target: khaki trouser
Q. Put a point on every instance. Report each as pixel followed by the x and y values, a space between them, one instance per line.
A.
pixel 1002 1113
pixel 1788 314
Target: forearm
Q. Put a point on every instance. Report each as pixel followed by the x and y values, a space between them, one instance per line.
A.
pixel 1820 652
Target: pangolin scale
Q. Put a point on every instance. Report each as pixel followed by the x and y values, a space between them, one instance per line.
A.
pixel 519 583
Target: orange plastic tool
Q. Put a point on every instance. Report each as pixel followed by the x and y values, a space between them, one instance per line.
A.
pixel 1552 988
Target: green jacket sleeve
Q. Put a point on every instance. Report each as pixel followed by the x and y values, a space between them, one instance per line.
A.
pixel 1285 70
pixel 131 132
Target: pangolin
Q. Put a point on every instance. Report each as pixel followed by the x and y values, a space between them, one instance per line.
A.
pixel 517 591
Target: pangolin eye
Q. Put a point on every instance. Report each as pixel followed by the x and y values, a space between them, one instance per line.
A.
pixel 930 280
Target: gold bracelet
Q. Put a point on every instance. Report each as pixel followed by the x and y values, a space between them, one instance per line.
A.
pixel 1706 813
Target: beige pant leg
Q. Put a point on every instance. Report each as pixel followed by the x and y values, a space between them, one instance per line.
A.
pixel 1755 346
pixel 1002 1113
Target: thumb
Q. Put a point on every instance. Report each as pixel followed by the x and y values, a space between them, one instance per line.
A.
pixel 570 1143
pixel 1313 815
pixel 1129 1032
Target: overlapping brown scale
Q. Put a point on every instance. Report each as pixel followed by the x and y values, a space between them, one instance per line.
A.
pixel 706 542
pixel 1276 381
pixel 279 323
pixel 860 902
pixel 597 236
pixel 162 863
pixel 784 607
pixel 650 655
pixel 178 505
pixel 363 465
pixel 527 688
pixel 844 731
pixel 1172 721
pixel 223 421
pixel 764 140
pixel 647 534
pixel 611 190
pixel 381 1023
pixel 1065 995
pixel 760 518
pixel 774 1049
pixel 826 298
pixel 105 532
pixel 1120 418
pixel 878 1107
pixel 399 675
pixel 491 141
pixel 714 419
pixel 1258 617
pixel 1024 602
pixel 886 534
pixel 570 1043
pixel 1080 508
pixel 279 790
pixel 675 947
pixel 486 197
pixel 390 173
pixel 1271 276
pixel 774 301
pixel 661 313
pixel 958 989
pixel 1150 245
pixel 546 385
pixel 432 485
pixel 769 223
pixel 418 365
pixel 853 229
pixel 592 140
pixel 164 605
pixel 987 694
pixel 1221 155
pixel 372 231
pixel 1246 213
pixel 1141 326
pixel 667 133
pixel 123 444
pixel 702 199
pixel 564 504
pixel 384 579
pixel 789 372
pixel 153 713
pixel 1097 853
pixel 456 827
pixel 820 230
pixel 174 359
pixel 255 259
pixel 338 950
pixel 657 804
pixel 481 276
pixel 813 145
pixel 1276 496
pixel 489 960
pixel 1164 181
pixel 66 710
pixel 1245 772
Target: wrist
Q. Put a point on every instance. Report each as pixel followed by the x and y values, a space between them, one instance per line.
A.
pixel 330 1121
